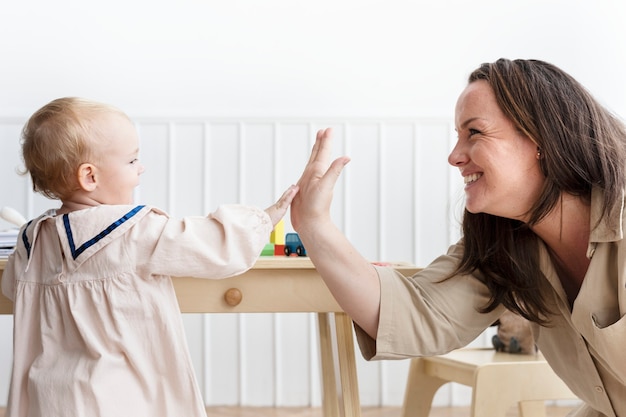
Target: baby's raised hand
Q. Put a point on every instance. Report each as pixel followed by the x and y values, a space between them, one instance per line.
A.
pixel 277 211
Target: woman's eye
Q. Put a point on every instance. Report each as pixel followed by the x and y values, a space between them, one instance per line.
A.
pixel 473 132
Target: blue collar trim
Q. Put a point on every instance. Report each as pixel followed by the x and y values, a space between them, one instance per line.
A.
pixel 25 239
pixel 77 251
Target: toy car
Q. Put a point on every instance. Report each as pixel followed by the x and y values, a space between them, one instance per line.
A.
pixel 293 244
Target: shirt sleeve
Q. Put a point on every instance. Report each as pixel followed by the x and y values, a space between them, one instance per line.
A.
pixel 222 244
pixel 427 314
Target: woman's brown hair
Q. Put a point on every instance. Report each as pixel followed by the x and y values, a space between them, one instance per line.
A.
pixel 582 146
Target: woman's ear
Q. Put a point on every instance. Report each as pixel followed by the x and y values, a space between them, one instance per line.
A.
pixel 87 177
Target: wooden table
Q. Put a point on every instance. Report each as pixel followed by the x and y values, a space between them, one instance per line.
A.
pixel 282 285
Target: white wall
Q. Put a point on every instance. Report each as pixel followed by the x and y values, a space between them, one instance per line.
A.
pixel 210 82
pixel 284 57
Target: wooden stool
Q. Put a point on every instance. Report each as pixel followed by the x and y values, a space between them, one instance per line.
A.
pixel 498 381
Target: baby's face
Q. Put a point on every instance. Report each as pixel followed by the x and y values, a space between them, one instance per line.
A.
pixel 118 166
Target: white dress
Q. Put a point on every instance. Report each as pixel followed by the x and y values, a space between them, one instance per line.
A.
pixel 97 327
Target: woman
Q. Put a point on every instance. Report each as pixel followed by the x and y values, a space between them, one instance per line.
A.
pixel 544 170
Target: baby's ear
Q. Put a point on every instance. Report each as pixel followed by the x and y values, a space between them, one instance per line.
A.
pixel 87 177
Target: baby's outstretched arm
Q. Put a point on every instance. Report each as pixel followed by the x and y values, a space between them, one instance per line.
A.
pixel 277 210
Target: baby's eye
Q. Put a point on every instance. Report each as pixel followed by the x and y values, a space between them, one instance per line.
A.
pixel 134 161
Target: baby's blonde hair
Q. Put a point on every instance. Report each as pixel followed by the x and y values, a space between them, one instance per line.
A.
pixel 57 139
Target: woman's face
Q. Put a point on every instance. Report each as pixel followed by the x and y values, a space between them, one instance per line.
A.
pixel 499 164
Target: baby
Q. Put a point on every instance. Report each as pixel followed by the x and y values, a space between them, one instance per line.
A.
pixel 97 327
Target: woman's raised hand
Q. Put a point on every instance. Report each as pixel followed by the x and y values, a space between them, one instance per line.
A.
pixel 311 206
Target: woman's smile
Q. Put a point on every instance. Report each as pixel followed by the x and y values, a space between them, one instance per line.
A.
pixel 471 178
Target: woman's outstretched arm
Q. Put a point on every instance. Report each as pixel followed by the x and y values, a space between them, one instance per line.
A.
pixel 350 277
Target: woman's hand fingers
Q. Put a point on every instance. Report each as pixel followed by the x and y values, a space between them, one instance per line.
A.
pixel 317 182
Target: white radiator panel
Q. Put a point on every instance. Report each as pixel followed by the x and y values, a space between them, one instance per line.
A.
pixel 397 200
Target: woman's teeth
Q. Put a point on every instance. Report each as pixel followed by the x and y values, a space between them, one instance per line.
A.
pixel 471 178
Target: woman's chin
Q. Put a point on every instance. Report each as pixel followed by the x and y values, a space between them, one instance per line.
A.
pixel 473 208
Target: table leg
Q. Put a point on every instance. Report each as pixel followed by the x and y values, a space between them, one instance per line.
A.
pixel 347 366
pixel 340 385
pixel 330 398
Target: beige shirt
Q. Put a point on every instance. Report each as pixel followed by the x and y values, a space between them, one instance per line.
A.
pixel 97 327
pixel 586 345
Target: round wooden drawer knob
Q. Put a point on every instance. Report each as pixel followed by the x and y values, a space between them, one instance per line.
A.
pixel 233 297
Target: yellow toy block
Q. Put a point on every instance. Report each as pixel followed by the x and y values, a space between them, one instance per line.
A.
pixel 277 237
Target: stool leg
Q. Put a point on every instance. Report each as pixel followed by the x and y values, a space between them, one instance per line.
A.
pixel 420 390
pixel 528 389
pixel 490 395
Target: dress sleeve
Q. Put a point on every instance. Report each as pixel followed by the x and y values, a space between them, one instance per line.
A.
pixel 17 261
pixel 222 244
pixel 8 279
pixel 426 314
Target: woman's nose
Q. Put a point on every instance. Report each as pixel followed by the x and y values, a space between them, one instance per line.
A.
pixel 458 156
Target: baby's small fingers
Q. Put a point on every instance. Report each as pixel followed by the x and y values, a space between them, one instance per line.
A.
pixel 280 207
pixel 287 196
